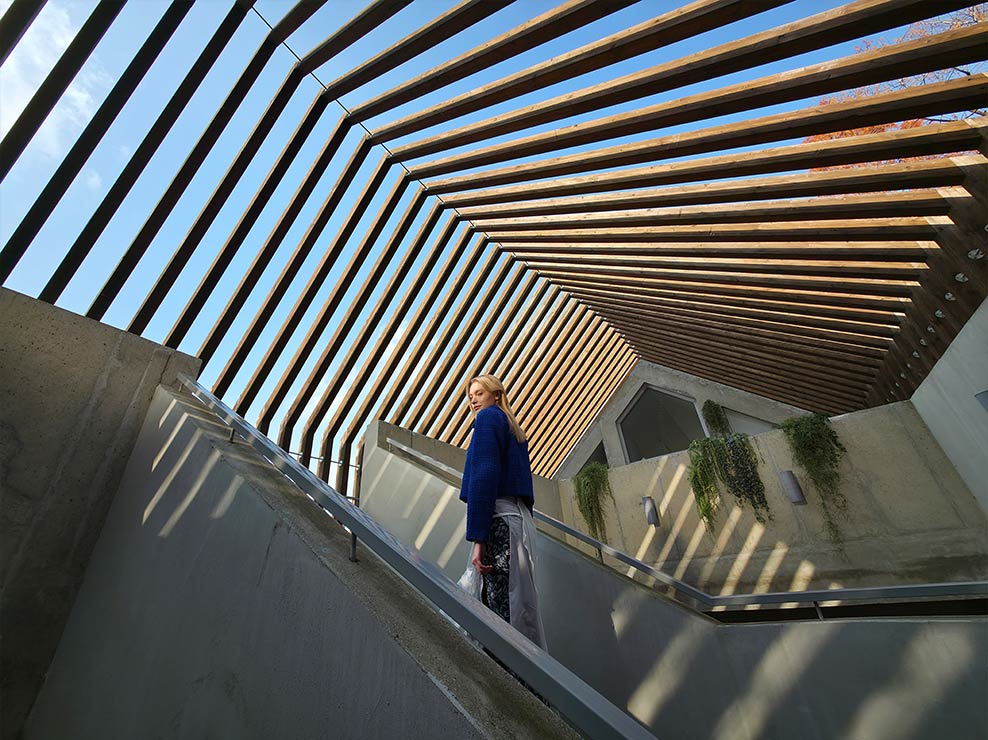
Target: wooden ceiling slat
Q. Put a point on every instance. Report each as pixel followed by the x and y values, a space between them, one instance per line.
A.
pixel 538 315
pixel 838 375
pixel 849 269
pixel 934 173
pixel 740 372
pixel 550 25
pixel 686 288
pixel 815 339
pixel 483 338
pixel 392 332
pixel 876 320
pixel 890 229
pixel 448 349
pixel 565 410
pixel 389 381
pixel 897 288
pixel 759 364
pixel 594 393
pixel 906 251
pixel 678 24
pixel 810 399
pixel 557 394
pixel 941 138
pixel 956 47
pixel 951 96
pixel 435 337
pixel 867 205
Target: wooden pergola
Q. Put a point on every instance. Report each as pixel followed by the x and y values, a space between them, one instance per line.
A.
pixel 558 241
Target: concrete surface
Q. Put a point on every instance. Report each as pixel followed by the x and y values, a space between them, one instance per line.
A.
pixel 388 482
pixel 946 401
pixel 690 387
pixel 220 603
pixel 73 394
pixel 687 677
pixel 910 517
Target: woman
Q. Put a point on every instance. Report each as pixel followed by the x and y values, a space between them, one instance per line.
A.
pixel 497 488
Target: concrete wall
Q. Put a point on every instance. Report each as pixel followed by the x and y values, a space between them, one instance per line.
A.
pixel 911 518
pixel 946 401
pixel 698 390
pixel 220 603
pixel 390 485
pixel 688 677
pixel 73 394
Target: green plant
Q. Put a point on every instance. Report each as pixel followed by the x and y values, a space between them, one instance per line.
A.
pixel 818 451
pixel 740 474
pixel 716 418
pixel 730 460
pixel 703 477
pixel 592 485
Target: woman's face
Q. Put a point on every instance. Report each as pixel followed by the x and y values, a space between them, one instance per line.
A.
pixel 480 397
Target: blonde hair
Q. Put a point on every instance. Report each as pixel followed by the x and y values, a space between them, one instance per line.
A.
pixel 495 387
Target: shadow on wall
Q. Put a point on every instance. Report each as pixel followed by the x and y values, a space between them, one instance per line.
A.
pixel 910 518
pixel 686 676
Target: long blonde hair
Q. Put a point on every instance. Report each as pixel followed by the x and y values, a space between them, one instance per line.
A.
pixel 496 388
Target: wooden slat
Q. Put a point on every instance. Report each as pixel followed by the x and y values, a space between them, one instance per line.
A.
pixel 957 47
pixel 675 25
pixel 795 335
pixel 873 286
pixel 878 178
pixel 951 96
pixel 868 205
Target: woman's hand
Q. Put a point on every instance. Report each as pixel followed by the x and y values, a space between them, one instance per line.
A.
pixel 477 559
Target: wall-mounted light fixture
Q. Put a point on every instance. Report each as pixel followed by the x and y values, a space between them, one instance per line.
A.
pixel 982 398
pixel 792 487
pixel 651 512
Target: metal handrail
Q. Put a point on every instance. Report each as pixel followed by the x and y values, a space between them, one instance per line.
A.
pixel 579 704
pixel 867 593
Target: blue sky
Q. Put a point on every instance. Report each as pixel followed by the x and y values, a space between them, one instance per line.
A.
pixel 60 19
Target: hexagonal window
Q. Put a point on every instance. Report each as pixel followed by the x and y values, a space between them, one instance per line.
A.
pixel 657 423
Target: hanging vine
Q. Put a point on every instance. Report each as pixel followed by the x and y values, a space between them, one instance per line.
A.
pixel 592 485
pixel 703 476
pixel 716 418
pixel 817 449
pixel 732 461
pixel 740 475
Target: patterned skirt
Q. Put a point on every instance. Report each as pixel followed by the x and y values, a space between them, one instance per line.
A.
pixel 509 589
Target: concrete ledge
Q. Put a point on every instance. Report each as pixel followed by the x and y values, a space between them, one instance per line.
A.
pixel 220 602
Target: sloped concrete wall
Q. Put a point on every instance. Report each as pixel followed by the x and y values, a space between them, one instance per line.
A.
pixel 688 677
pixel 946 401
pixel 220 603
pixel 73 394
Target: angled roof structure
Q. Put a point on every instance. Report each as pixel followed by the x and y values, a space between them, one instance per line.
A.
pixel 626 196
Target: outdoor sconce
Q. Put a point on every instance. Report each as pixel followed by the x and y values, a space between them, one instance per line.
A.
pixel 651 513
pixel 982 399
pixel 792 488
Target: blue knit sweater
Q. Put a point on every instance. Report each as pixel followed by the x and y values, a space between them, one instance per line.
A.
pixel 497 466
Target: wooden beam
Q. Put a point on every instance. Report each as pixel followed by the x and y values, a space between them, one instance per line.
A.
pixel 867 205
pixel 963 94
pixel 867 179
pixel 952 48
